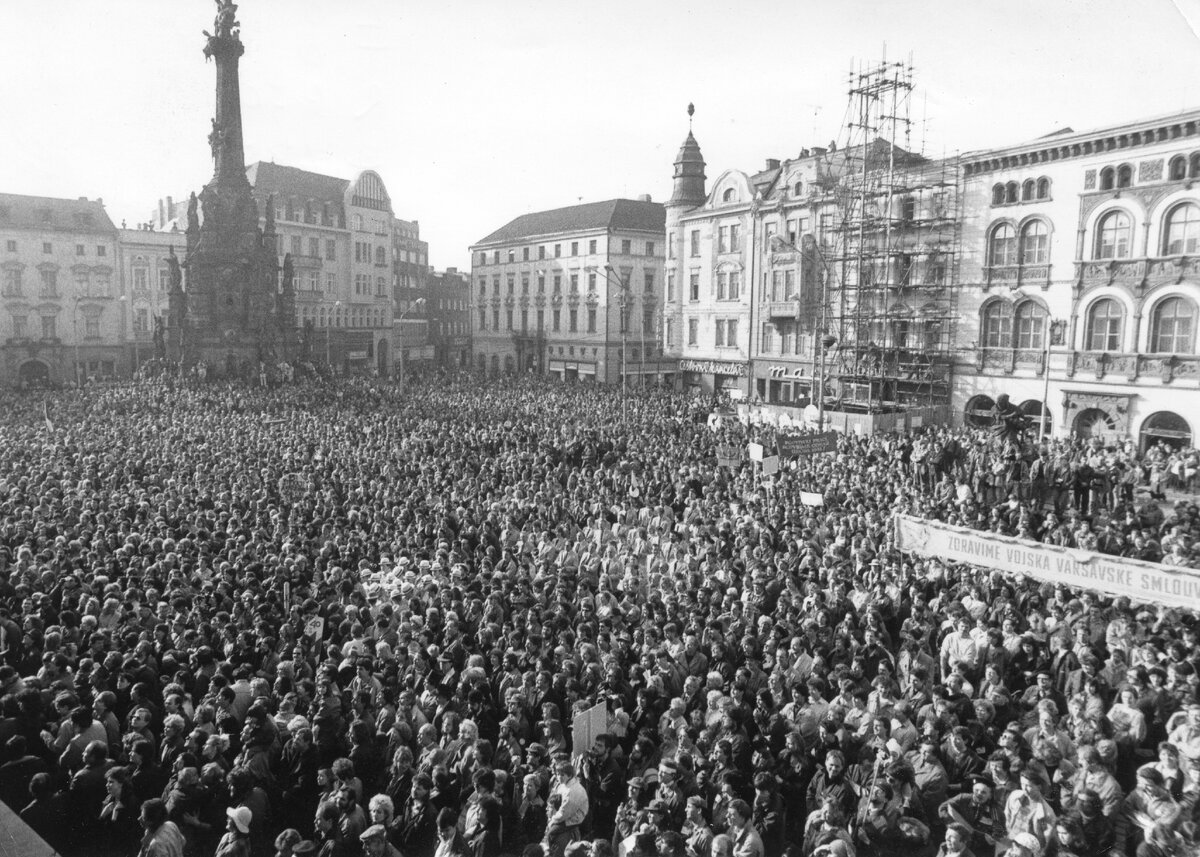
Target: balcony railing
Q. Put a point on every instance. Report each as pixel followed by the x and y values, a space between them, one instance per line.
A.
pixel 1141 274
pixel 1120 367
pixel 1015 276
pixel 782 309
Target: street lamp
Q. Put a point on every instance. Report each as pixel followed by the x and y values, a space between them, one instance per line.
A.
pixel 624 301
pixel 419 303
pixel 329 324
pixel 1053 328
pixel 828 340
pixel 75 336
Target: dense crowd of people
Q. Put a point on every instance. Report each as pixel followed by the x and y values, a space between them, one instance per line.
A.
pixel 336 620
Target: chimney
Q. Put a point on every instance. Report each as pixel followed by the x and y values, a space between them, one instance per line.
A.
pixel 161 218
pixel 772 163
pixel 644 197
pixel 818 151
pixel 83 199
pixel 170 209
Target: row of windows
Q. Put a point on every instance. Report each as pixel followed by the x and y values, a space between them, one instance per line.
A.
pixel 556 320
pixel 449 328
pixel 338 317
pixel 725 332
pixel 1172 326
pixel 363 253
pixel 1030 190
pixel 1180 233
pixel 1113 238
pixel 592 281
pixel 362 285
pixel 86 284
pixel 11 246
pixel 1032 247
pixel 298 246
pixel 48 328
pixel 627 249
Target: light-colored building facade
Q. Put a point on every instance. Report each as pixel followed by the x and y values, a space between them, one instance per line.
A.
pixel 574 292
pixel 145 283
pixel 62 306
pixel 1083 248
pixel 838 260
pixel 339 236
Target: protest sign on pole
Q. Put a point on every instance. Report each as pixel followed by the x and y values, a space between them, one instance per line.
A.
pixel 770 465
pixel 794 445
pixel 756 451
pixel 729 455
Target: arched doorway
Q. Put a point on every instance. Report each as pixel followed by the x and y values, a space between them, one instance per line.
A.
pixel 34 373
pixel 1166 427
pixel 978 412
pixel 1032 408
pixel 382 356
pixel 495 364
pixel 510 364
pixel 1093 423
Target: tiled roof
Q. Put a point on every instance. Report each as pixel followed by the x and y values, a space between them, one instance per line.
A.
pixel 289 181
pixel 44 213
pixel 617 214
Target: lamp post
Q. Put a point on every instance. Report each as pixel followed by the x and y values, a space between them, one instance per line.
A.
pixel 75 336
pixel 827 341
pixel 1053 328
pixel 419 303
pixel 328 331
pixel 624 301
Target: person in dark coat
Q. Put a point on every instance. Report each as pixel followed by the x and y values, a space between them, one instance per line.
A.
pixel 416 832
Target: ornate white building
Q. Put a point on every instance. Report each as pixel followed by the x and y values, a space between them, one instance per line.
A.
pixel 1085 248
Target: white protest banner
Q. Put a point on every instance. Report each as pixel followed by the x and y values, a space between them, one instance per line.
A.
pixel 770 465
pixel 811 498
pixel 1146 582
pixel 756 451
pixel 729 455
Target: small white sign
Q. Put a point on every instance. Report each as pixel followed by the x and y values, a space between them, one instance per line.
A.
pixel 756 451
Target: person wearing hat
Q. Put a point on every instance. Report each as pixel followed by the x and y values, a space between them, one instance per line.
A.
pixel 1025 845
pixel 976 811
pixel 631 813
pixel 236 841
pixel 375 842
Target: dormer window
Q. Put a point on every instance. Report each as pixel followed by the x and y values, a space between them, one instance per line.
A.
pixel 727 196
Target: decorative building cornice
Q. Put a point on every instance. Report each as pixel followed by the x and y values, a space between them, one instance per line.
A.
pixel 1070 146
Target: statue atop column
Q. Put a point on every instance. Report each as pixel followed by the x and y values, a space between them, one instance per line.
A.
pixel 226 21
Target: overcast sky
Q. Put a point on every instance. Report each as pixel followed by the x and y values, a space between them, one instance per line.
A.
pixel 476 112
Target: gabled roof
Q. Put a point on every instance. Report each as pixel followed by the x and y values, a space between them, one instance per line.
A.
pixel 289 181
pixel 613 214
pixel 45 213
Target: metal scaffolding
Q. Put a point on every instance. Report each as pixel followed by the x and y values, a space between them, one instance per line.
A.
pixel 891 253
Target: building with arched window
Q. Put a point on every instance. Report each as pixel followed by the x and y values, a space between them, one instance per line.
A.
pixel 359 271
pixel 1085 280
pixel 60 310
